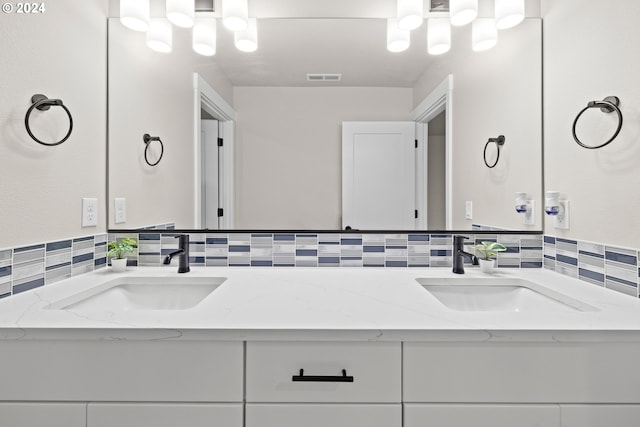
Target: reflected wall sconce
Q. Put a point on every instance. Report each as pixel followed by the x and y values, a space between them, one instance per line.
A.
pixel 525 206
pixel 134 14
pixel 160 35
pixel 463 12
pixel 247 40
pixel 484 34
pixel 397 40
pixel 235 14
pixel 557 208
pixel 148 139
pixel 410 14
pixel 499 141
pixel 509 13
pixel 438 36
pixel 181 12
pixel 204 36
pixel 42 103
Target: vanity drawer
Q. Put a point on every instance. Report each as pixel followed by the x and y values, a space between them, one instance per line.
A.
pixel 323 415
pixel 140 371
pixel 273 372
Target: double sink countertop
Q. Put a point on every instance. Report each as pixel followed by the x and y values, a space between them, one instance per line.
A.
pixel 322 304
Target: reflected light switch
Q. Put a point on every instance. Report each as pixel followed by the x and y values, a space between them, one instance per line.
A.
pixel 468 209
pixel 120 209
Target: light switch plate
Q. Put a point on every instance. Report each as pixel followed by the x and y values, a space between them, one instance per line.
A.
pixel 120 210
pixel 89 212
pixel 468 209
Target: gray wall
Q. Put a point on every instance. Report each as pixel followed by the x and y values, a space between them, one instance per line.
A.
pixel 61 53
pixel 591 52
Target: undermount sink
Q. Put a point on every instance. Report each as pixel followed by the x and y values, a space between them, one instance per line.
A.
pixel 142 293
pixel 499 295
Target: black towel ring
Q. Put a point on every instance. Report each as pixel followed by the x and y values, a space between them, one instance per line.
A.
pixel 147 141
pixel 499 141
pixel 42 103
pixel 607 105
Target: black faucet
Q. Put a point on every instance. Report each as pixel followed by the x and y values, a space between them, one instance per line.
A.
pixel 183 251
pixel 459 255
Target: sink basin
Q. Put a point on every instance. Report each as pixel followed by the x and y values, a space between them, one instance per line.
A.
pixel 142 293
pixel 503 295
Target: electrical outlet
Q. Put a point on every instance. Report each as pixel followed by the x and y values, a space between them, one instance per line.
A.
pixel 120 209
pixel 529 218
pixel 562 219
pixel 89 212
pixel 468 210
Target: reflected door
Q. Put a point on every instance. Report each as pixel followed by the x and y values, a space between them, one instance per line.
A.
pixel 378 175
pixel 210 174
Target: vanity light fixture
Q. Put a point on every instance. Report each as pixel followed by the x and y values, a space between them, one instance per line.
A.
pixel 160 35
pixel 484 34
pixel 247 40
pixel 397 40
pixel 438 35
pixel 235 14
pixel 134 14
pixel 181 12
pixel 410 14
pixel 204 36
pixel 509 13
pixel 525 206
pixel 463 12
pixel 557 208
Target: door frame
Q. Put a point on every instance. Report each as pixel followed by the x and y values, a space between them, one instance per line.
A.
pixel 439 100
pixel 207 99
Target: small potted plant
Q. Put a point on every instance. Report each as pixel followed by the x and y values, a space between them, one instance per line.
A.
pixel 119 249
pixel 486 253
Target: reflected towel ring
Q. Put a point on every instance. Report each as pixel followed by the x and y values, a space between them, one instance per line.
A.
pixel 42 103
pixel 147 141
pixel 607 105
pixel 499 141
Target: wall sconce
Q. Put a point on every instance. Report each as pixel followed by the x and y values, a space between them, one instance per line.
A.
pixel 397 40
pixel 410 14
pixel 557 208
pixel 525 206
pixel 134 14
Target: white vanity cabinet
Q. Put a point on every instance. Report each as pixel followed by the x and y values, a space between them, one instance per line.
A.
pixel 163 415
pixel 37 414
pixel 323 384
pixel 470 415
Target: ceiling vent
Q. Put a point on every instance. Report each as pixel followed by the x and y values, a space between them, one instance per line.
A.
pixel 324 77
pixel 439 6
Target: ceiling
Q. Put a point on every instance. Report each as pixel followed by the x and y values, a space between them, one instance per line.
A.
pixel 297 37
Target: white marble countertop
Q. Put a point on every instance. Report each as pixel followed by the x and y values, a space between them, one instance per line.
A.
pixel 322 304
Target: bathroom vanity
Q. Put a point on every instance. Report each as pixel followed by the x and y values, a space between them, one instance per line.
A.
pixel 319 347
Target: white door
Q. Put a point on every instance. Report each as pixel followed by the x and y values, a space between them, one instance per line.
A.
pixel 210 167
pixel 378 175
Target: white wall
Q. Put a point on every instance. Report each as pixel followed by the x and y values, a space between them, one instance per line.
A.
pixel 591 52
pixel 62 54
pixel 495 92
pixel 151 92
pixel 288 150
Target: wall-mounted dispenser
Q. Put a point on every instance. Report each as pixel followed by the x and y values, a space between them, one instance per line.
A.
pixel 525 206
pixel 557 208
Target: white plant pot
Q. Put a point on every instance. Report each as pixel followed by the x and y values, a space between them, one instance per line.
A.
pixel 487 265
pixel 118 265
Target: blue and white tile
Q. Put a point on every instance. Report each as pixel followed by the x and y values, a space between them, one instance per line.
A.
pixel 217 250
pixel 239 250
pixel 100 250
pixel 261 250
pixel 440 250
pixel 58 259
pixel 621 270
pixel 351 250
pixel 83 251
pixel 6 256
pixel 567 257
pixel 591 263
pixel 28 268
pixel 307 250
pixel 284 250
pixel 329 250
pixel 418 250
pixel 373 252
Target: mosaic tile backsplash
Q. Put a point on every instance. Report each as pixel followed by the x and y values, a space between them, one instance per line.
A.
pixel 29 267
pixel 600 264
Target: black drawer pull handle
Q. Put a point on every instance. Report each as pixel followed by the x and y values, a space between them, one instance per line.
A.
pixel 324 378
